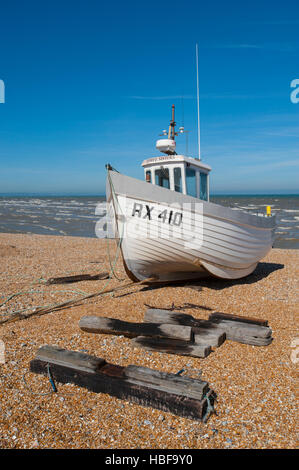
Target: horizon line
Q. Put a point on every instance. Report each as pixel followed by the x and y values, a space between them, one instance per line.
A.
pixel 217 194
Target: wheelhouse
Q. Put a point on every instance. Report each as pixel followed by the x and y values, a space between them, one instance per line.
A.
pixel 179 173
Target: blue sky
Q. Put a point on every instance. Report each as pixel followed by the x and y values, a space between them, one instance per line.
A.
pixel 90 82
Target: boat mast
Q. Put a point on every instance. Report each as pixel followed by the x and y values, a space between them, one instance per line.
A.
pixel 171 133
pixel 198 121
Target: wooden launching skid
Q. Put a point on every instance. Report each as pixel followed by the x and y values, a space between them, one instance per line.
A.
pixel 183 396
pixel 245 330
pixel 163 331
pixel 178 333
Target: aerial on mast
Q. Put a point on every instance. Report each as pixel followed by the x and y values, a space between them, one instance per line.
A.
pixel 171 131
pixel 198 121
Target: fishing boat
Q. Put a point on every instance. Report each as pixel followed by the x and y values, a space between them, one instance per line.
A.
pixel 170 231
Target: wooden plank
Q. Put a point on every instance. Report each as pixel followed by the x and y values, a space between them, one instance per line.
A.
pixel 243 332
pixel 226 325
pixel 112 379
pixel 203 335
pixel 96 324
pixel 204 331
pixel 73 359
pixel 158 315
pixel 228 316
pixel 177 318
pixel 236 328
pixel 187 386
pixel 251 340
pixel 77 278
pixel 172 346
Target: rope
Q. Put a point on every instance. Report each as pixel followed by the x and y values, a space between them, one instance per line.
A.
pixel 53 385
pixel 50 308
pixel 51 378
pixel 39 292
pixel 121 237
pixel 210 408
pixel 30 389
pixel 180 372
pixel 110 264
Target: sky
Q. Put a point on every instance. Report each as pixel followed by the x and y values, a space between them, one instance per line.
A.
pixel 89 82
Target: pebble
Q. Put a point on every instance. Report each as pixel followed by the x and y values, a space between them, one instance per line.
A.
pixel 244 377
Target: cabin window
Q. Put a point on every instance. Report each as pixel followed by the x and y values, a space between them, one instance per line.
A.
pixel 162 178
pixel 204 186
pixel 148 176
pixel 191 182
pixel 177 175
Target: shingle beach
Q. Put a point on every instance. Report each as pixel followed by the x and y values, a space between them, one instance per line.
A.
pixel 255 386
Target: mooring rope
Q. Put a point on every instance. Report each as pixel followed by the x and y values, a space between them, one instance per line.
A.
pixel 19 315
pixel 210 408
pixel 30 389
pixel 121 237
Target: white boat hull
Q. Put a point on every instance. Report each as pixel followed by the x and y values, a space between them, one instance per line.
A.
pixel 168 236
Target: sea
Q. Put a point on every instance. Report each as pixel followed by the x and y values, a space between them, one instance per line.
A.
pixel 78 215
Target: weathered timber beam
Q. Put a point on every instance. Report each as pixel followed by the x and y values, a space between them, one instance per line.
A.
pixel 72 359
pixel 251 340
pixel 127 383
pixel 238 318
pixel 95 324
pixel 158 315
pixel 204 331
pixel 193 388
pixel 77 278
pixel 214 338
pixel 177 318
pixel 235 328
pixel 172 346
